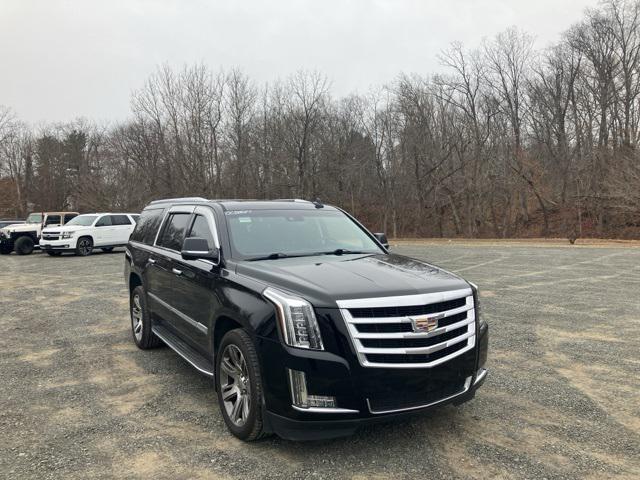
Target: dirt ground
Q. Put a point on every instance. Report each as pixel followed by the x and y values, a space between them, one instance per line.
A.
pixel 562 400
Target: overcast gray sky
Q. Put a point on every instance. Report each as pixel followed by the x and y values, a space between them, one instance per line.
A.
pixel 65 59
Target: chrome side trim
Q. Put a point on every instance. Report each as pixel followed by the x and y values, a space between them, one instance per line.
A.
pixel 175 349
pixel 186 318
pixel 480 376
pixel 404 300
pixel 171 254
pixel 325 410
pixel 467 384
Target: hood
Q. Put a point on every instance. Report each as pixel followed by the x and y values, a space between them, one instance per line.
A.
pixel 323 280
pixel 21 227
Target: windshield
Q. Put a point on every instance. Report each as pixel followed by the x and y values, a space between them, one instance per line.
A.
pixel 84 220
pixel 34 218
pixel 260 233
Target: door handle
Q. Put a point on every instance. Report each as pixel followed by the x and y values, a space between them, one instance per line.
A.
pixel 151 261
pixel 176 271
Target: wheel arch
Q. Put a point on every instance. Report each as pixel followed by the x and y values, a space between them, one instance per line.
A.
pixel 224 324
pixel 88 235
pixel 134 281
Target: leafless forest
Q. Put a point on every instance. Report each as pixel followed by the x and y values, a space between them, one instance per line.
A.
pixel 506 141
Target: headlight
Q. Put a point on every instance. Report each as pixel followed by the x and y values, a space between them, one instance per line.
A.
pixel 476 301
pixel 66 235
pixel 297 320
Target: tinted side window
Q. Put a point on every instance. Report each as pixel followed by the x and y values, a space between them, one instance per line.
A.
pixel 104 221
pixel 200 228
pixel 69 216
pixel 53 220
pixel 173 232
pixel 147 226
pixel 120 220
pixel 135 218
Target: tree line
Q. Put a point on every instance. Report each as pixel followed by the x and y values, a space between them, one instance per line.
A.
pixel 506 141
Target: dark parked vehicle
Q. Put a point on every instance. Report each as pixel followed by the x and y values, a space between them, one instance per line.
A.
pixel 309 326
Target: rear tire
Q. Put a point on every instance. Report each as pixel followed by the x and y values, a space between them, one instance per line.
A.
pixel 53 253
pixel 84 246
pixel 24 245
pixel 143 337
pixel 240 383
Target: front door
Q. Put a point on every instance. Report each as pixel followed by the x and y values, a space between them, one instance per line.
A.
pixel 196 282
pixel 164 286
pixel 103 232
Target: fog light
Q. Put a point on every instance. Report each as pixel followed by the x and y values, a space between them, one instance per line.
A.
pixel 299 396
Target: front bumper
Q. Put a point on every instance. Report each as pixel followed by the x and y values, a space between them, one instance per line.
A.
pixel 58 245
pixel 364 395
pixel 318 429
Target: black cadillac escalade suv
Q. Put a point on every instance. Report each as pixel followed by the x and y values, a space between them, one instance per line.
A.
pixel 308 325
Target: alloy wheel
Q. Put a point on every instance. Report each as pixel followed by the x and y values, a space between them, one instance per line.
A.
pixel 136 317
pixel 84 246
pixel 235 386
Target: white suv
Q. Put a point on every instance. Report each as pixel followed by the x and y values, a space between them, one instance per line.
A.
pixel 86 232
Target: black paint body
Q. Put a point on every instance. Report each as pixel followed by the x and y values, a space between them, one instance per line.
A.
pixel 230 295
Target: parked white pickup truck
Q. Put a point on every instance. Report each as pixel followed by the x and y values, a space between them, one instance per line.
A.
pixel 86 232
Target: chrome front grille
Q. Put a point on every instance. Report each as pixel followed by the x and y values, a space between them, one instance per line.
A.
pixel 384 334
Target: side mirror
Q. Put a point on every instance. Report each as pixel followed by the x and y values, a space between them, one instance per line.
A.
pixel 196 248
pixel 382 238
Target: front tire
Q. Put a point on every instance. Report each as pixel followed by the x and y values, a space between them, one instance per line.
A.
pixel 84 246
pixel 239 386
pixel 24 245
pixel 143 337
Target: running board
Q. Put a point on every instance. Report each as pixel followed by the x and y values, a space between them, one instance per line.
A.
pixel 184 350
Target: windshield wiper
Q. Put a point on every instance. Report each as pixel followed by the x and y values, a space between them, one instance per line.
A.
pixel 338 251
pixel 271 256
pixel 345 251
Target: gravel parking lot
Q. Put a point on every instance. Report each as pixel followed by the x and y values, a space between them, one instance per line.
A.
pixel 562 400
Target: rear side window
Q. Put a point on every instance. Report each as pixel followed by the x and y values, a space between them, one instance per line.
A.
pixel 104 221
pixel 172 234
pixel 69 216
pixel 147 226
pixel 120 220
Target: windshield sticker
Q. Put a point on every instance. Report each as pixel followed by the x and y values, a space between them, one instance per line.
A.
pixel 237 212
pixel 244 219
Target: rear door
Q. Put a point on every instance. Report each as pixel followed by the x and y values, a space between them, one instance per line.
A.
pixel 122 228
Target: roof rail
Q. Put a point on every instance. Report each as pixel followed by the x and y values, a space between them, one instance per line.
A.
pixel 291 200
pixel 181 199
